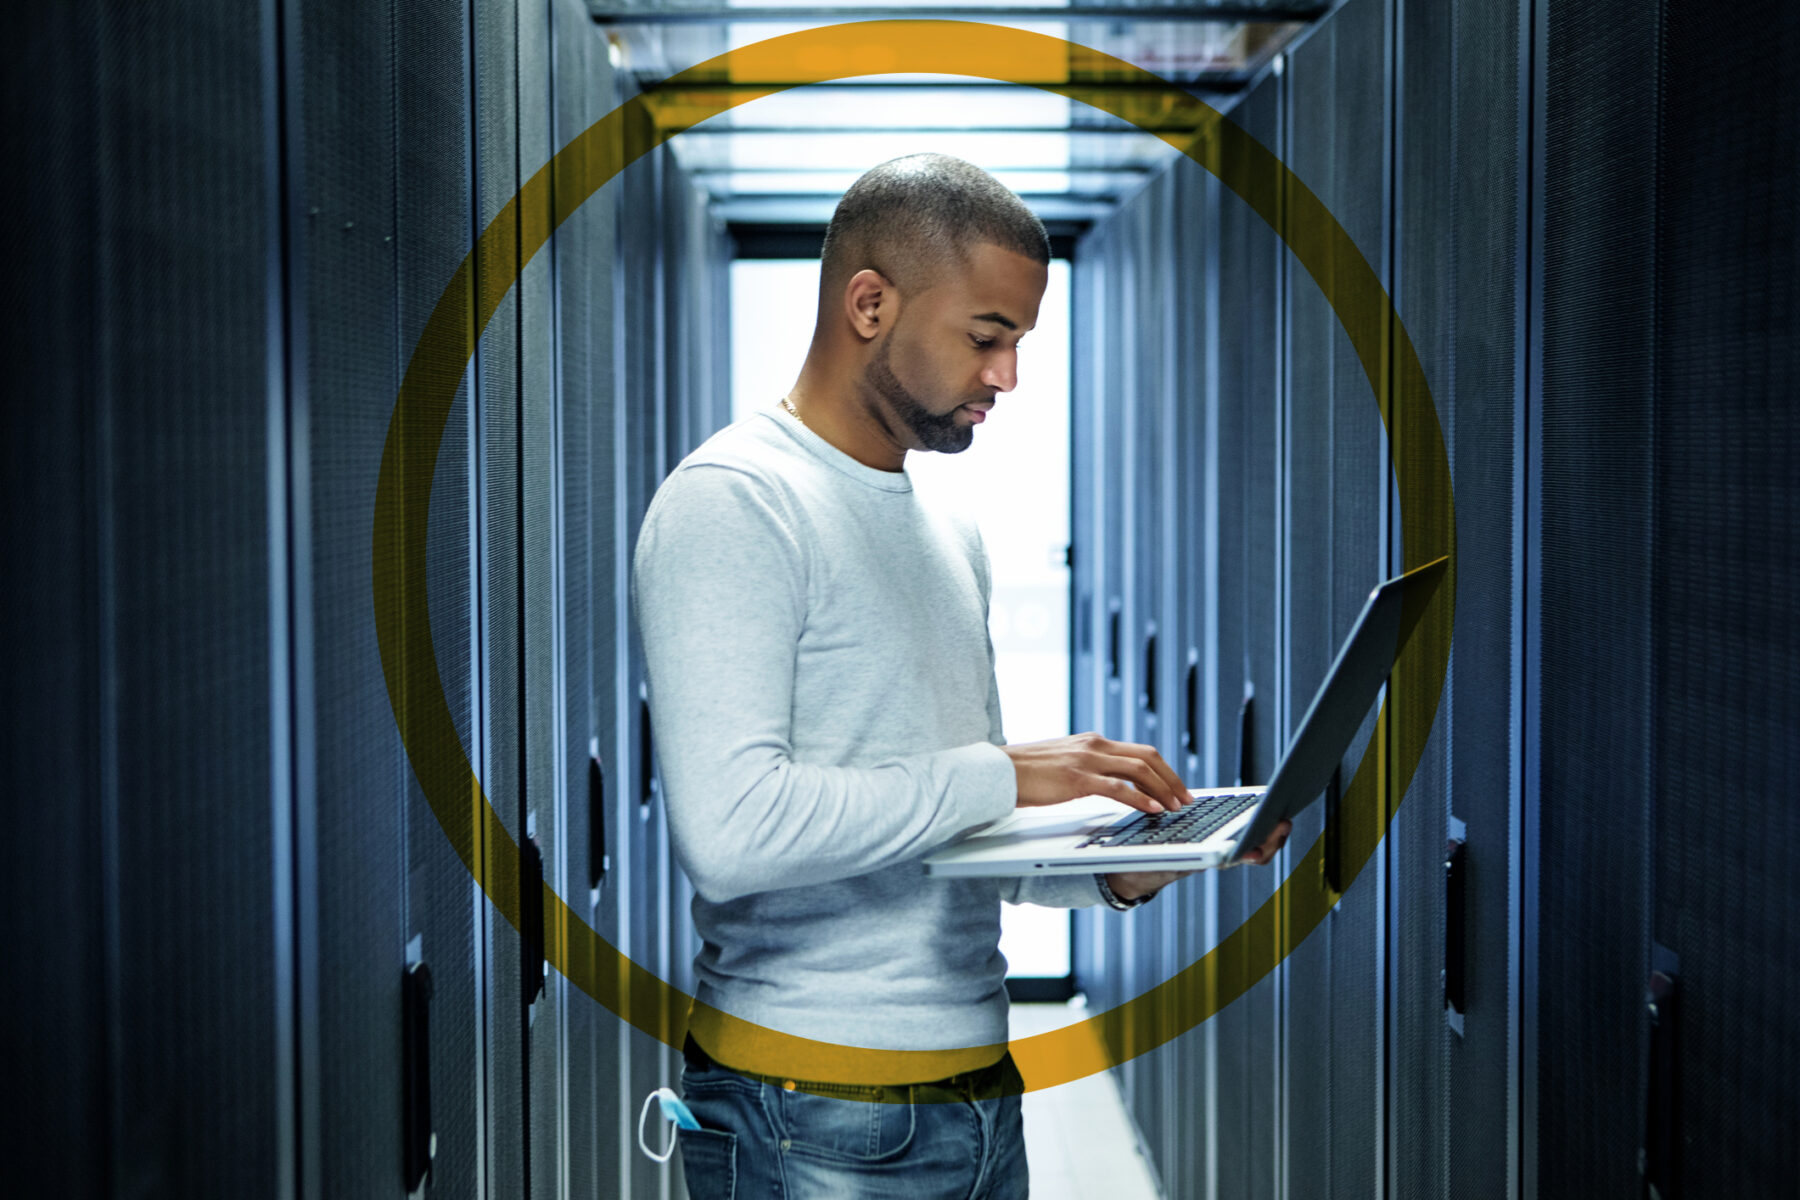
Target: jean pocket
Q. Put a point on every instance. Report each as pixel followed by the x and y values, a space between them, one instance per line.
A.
pixel 709 1163
pixel 847 1124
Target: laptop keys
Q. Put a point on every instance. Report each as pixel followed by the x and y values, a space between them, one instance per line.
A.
pixel 1198 820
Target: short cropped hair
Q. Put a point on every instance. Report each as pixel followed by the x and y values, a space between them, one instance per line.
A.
pixel 912 218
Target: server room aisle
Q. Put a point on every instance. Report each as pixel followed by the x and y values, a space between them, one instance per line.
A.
pixel 1080 1143
pixel 342 862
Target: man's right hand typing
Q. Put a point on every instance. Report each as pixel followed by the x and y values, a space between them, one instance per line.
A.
pixel 1086 764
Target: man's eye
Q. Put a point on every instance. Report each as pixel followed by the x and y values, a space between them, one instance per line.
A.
pixel 982 343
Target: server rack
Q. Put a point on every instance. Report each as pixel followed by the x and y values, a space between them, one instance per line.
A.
pixel 586 548
pixel 1661 348
pixel 1556 228
pixel 1307 1065
pixel 1459 248
pixel 273 205
pixel 1335 473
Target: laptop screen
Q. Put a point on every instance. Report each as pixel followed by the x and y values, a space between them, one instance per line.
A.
pixel 1350 687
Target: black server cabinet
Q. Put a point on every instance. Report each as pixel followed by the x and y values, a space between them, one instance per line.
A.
pixel 242 258
pixel 1117 372
pixel 1459 287
pixel 641 395
pixel 588 547
pixel 1156 564
pixel 445 904
pixel 148 725
pixel 542 604
pixel 1591 642
pixel 1158 619
pixel 1160 623
pixel 1336 477
pixel 434 229
pixel 499 743
pixel 196 723
pixel 381 203
pixel 1664 656
pixel 1141 377
pixel 1088 634
pixel 1251 320
pixel 1192 235
pixel 685 331
pixel 1099 437
pixel 634 263
pixel 1134 417
pixel 1725 701
pixel 150 729
pixel 347 352
pixel 1095 939
pixel 1161 231
pixel 700 405
pixel 54 902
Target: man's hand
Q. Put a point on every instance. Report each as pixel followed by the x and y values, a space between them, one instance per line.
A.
pixel 1129 885
pixel 1266 851
pixel 1087 764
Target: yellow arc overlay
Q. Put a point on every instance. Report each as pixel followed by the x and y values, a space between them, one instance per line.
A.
pixel 595 157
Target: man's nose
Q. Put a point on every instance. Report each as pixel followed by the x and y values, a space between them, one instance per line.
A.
pixel 1002 373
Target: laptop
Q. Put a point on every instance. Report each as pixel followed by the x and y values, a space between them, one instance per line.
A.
pixel 1097 833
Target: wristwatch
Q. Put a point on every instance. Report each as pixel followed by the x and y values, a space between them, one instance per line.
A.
pixel 1121 905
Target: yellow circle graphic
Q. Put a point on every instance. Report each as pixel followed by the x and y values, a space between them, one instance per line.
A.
pixel 596 156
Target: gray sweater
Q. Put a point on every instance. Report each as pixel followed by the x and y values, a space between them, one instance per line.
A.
pixel 824 712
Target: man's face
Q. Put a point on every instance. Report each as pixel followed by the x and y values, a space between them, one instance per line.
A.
pixel 954 347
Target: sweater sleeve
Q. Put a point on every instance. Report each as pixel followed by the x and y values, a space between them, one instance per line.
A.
pixel 719 590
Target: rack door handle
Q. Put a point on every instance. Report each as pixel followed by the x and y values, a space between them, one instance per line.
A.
pixel 1456 882
pixel 598 861
pixel 646 753
pixel 1658 1165
pixel 1190 727
pixel 1112 641
pixel 531 920
pixel 1246 731
pixel 1149 696
pixel 418 1139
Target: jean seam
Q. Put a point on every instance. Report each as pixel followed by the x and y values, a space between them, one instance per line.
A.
pixel 717 1085
pixel 984 1149
pixel 775 1130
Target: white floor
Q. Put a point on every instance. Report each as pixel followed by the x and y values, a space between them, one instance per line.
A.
pixel 1078 1140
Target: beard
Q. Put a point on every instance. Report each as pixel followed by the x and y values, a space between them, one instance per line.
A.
pixel 936 431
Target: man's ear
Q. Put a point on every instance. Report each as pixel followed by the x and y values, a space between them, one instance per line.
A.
pixel 870 303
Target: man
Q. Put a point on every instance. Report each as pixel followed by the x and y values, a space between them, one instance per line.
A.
pixel 821 679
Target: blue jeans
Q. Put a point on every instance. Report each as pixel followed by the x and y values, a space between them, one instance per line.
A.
pixel 760 1141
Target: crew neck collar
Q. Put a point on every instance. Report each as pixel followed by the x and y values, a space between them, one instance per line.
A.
pixel 875 477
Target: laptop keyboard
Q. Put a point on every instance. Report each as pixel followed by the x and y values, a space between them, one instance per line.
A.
pixel 1198 820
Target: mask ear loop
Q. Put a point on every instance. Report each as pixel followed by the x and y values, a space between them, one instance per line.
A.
pixel 675 1111
pixel 643 1114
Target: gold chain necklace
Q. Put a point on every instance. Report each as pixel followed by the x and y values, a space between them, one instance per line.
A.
pixel 789 405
